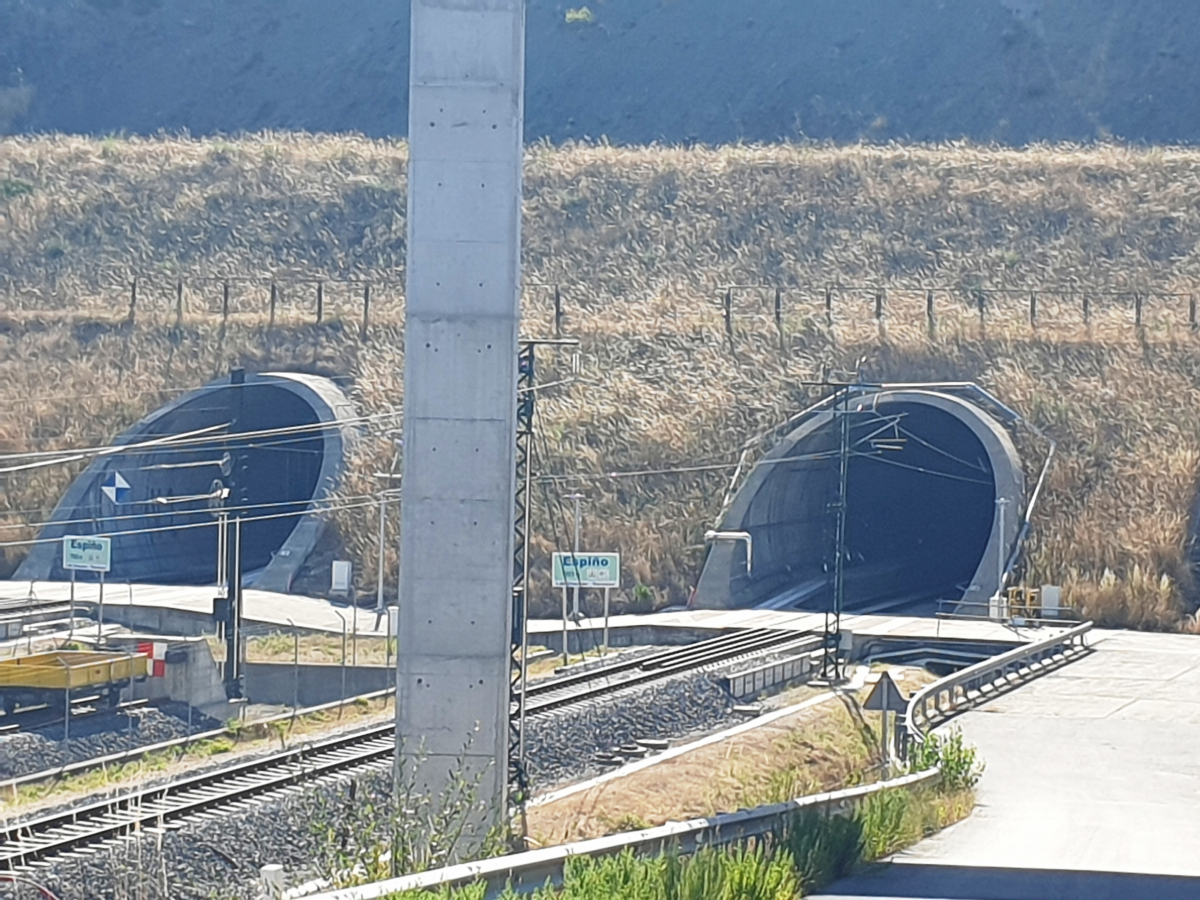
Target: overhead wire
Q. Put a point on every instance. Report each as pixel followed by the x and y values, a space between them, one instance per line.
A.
pixel 192 525
pixel 160 514
pixel 921 469
pixel 177 443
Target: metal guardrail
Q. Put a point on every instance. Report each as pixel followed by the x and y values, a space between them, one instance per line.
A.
pixel 942 699
pixel 532 868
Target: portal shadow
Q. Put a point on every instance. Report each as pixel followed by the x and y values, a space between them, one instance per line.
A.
pixel 915 881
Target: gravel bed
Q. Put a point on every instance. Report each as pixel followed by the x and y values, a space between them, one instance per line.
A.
pixel 561 745
pixel 214 859
pixel 219 859
pixel 102 734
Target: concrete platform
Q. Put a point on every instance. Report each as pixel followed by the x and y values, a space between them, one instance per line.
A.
pixel 188 610
pixel 1092 787
pixel 687 625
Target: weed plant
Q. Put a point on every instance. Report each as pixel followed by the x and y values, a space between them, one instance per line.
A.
pixel 810 851
pixel 959 762
pixel 392 829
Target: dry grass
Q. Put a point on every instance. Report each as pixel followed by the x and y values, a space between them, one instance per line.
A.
pixel 824 747
pixel 817 749
pixel 643 241
pixel 319 649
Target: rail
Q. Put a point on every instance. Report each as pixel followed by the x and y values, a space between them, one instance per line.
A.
pixel 533 868
pixel 136 753
pixel 580 687
pixel 974 684
pixel 26 841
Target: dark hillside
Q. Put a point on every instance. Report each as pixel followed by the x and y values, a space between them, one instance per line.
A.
pixel 714 71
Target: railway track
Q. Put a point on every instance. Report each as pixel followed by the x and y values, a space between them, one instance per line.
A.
pixel 27 842
pixel 34 718
pixel 545 696
pixel 31 840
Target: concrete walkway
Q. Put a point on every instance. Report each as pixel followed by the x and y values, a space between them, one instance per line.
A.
pixel 1092 787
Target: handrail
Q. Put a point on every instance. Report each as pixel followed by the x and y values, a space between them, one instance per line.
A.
pixel 534 867
pixel 967 686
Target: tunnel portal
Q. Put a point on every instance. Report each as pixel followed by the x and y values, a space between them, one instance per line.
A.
pixel 263 439
pixel 923 476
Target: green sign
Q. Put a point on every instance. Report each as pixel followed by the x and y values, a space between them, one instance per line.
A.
pixel 587 570
pixel 87 554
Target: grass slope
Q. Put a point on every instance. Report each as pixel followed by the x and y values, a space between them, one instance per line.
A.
pixel 642 242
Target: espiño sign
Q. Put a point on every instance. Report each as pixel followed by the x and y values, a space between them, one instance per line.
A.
pixel 587 570
pixel 87 554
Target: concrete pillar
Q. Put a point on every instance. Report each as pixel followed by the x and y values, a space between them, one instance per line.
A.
pixel 460 383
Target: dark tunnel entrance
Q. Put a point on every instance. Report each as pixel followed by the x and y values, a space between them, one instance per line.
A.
pixel 263 447
pixel 921 510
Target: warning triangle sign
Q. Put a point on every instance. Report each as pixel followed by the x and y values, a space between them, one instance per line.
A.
pixel 886 696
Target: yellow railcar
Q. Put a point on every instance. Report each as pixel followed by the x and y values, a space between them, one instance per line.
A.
pixel 48 678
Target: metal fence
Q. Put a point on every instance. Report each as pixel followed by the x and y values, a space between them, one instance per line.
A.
pixel 1038 306
pixel 292 299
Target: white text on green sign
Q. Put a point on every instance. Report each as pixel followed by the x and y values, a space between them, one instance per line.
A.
pixel 587 570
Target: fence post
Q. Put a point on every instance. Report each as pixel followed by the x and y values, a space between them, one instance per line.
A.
pixel 1087 310
pixel 320 301
pixel 829 306
pixel 779 314
pixel 1033 309
pixel 1137 310
pixel 558 313
pixel 981 297
pixel 132 300
pixel 1192 312
pixel 879 304
pixel 930 319
pixel 274 298
pixel 729 316
pixel 179 303
pixel 224 302
pixel 366 309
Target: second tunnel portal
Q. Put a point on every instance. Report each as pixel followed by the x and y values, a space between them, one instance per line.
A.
pixel 925 472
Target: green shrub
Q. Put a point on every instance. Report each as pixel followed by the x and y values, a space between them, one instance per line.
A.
pixel 823 848
pixel 811 850
pixel 14 187
pixel 960 764
pixel 884 819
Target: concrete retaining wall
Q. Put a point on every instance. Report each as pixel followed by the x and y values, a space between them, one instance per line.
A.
pixel 282 683
pixel 191 675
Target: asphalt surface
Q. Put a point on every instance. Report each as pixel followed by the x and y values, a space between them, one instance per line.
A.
pixel 1092 787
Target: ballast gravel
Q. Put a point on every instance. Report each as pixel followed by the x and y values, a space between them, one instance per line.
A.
pixel 219 857
pixel 104 734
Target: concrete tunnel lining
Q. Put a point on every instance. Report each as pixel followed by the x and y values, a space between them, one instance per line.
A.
pixel 286 475
pixel 921 520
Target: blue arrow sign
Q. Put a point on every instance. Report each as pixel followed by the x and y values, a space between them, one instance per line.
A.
pixel 116 488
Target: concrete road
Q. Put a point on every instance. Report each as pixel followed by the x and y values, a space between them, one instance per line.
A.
pixel 1092 787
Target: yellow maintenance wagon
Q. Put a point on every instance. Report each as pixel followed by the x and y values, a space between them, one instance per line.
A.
pixel 54 677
